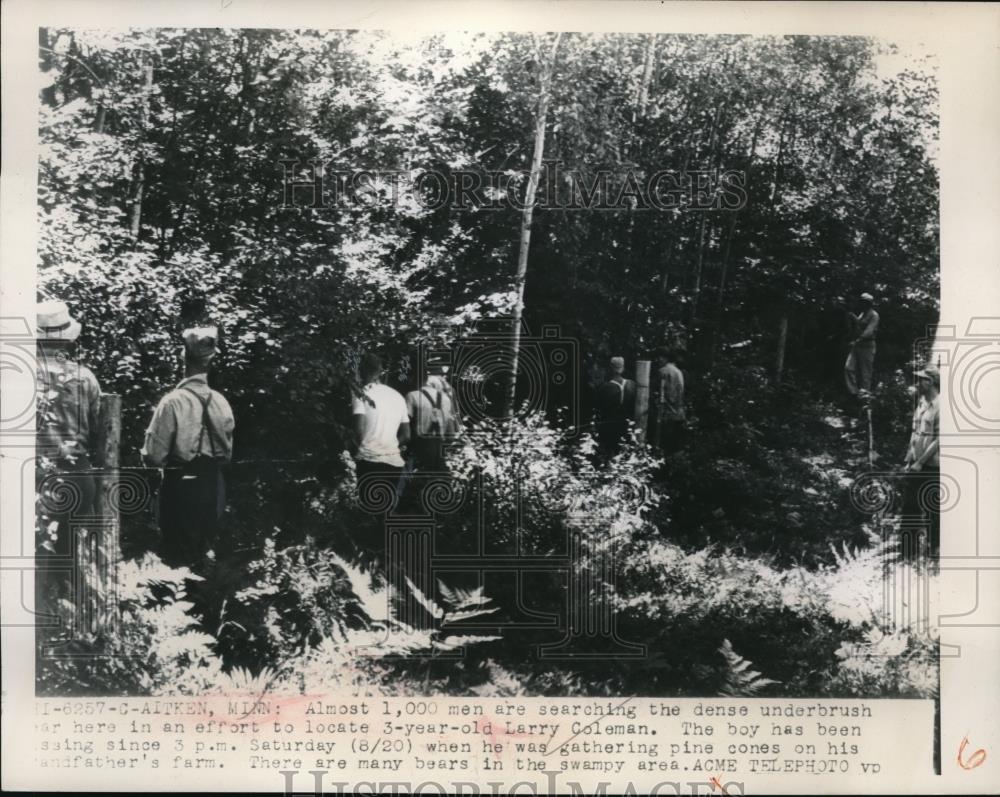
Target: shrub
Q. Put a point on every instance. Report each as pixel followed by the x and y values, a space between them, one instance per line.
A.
pixel 299 596
pixel 154 646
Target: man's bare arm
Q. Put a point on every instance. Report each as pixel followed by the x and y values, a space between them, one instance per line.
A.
pixel 931 451
pixel 159 437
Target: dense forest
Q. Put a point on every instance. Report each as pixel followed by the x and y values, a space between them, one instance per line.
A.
pixel 181 169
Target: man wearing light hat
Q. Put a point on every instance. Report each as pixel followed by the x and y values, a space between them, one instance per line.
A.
pixel 616 406
pixel 70 392
pixel 920 504
pixel 432 420
pixel 861 357
pixel 65 439
pixel 191 436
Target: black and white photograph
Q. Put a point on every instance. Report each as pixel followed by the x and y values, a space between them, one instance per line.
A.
pixel 601 371
pixel 468 363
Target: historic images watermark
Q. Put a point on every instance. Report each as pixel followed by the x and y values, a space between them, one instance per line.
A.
pixel 313 184
pixel 323 782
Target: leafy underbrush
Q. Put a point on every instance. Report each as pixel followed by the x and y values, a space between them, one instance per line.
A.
pixel 153 645
pixel 712 620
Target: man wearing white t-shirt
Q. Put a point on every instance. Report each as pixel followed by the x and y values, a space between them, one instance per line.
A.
pixel 381 425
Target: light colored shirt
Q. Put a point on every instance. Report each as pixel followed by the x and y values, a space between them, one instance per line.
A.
pixel 384 411
pixel 420 410
pixel 925 430
pixel 176 428
pixel 867 324
pixel 671 396
pixel 69 405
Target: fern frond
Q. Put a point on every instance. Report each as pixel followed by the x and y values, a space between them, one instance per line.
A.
pixel 449 594
pixel 243 681
pixel 433 609
pixel 453 642
pixel 373 601
pixel 474 598
pixel 467 614
pixel 740 680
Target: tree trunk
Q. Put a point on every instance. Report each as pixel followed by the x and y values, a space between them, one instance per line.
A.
pixel 725 262
pixel 102 555
pixel 45 56
pixel 696 292
pixel 779 359
pixel 140 177
pixel 639 112
pixel 526 217
pixel 647 76
pixel 732 226
pixel 696 289
pixel 642 398
pixel 675 233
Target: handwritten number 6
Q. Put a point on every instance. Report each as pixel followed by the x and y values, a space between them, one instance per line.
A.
pixel 973 760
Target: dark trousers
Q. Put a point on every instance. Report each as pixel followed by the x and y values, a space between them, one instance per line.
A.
pixel 375 481
pixel 610 434
pixel 921 510
pixel 192 500
pixel 428 454
pixel 671 435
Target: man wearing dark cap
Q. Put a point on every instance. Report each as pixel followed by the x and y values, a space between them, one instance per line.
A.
pixel 861 357
pixel 191 437
pixel 921 466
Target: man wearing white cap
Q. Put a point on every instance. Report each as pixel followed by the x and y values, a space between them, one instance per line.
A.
pixel 191 436
pixel 65 438
pixel 616 406
pixel 432 421
pixel 861 358
pixel 70 391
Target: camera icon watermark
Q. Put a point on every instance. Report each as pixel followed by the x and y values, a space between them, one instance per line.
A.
pixel 970 375
pixel 480 364
pixel 909 511
pixel 61 541
pixel 500 554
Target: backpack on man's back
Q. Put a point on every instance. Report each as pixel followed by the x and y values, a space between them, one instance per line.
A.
pixel 429 441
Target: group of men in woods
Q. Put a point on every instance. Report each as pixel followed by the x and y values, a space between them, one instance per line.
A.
pixel 190 435
pixel 920 499
pixel 615 405
pixel 386 425
pixel 190 438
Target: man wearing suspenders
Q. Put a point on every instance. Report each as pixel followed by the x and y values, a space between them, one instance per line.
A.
pixel 616 406
pixel 191 437
pixel 433 422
